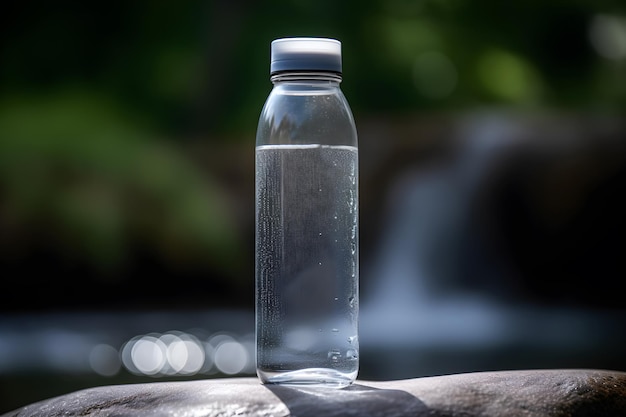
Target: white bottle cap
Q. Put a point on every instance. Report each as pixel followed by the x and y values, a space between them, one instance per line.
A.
pixel 305 54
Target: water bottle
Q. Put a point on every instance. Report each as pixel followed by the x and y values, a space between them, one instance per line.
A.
pixel 307 266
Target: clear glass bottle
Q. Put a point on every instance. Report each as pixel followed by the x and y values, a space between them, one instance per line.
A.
pixel 307 267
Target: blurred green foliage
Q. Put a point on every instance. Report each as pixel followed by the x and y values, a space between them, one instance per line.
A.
pixel 203 66
pixel 100 100
pixel 71 164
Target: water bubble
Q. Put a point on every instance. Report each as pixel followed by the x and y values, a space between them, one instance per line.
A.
pixel 335 330
pixel 352 339
pixel 352 354
pixel 334 355
pixel 351 301
pixel 336 298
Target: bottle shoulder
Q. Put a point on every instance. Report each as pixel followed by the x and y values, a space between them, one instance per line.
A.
pixel 302 113
pixel 305 89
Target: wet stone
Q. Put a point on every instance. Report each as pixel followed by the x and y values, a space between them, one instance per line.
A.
pixel 557 392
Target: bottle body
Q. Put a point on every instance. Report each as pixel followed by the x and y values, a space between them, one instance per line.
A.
pixel 307 235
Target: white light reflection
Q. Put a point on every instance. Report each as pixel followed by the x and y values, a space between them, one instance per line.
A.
pixel 104 360
pixel 149 355
pixel 185 354
pixel 207 367
pixel 607 35
pixel 179 353
pixel 175 358
pixel 126 356
pixel 231 357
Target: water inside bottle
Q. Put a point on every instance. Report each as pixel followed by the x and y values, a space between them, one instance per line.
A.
pixel 307 264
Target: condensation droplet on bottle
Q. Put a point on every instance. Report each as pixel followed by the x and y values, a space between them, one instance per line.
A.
pixel 335 330
pixel 351 302
pixel 352 339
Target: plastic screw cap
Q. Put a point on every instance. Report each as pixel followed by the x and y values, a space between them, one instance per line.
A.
pixel 305 54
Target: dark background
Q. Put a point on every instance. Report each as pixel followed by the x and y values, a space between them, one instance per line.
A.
pixel 492 169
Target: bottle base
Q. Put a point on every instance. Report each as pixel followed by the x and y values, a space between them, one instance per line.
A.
pixel 312 377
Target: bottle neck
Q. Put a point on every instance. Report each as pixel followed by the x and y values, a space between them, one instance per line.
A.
pixel 295 76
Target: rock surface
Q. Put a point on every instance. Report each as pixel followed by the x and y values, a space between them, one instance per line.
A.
pixel 556 392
